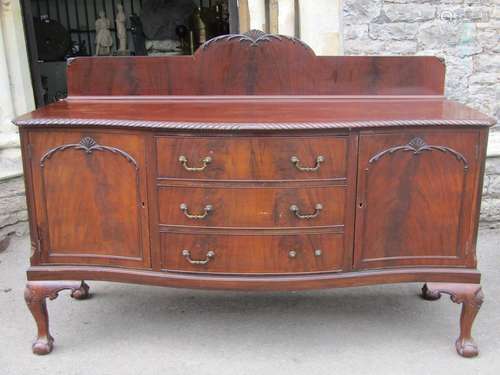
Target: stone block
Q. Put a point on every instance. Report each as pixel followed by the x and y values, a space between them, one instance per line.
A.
pixel 441 34
pixel 400 47
pixel 487 63
pixel 494 186
pixel 10 162
pixel 364 47
pixel 490 209
pixel 357 12
pixel 488 38
pixel 410 12
pixel 355 32
pixel 484 78
pixel 394 31
pixel 13 208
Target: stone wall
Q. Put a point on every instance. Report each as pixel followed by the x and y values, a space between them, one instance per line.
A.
pixel 465 33
pixel 13 212
pixel 490 209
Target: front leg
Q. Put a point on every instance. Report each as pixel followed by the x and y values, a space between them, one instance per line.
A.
pixel 471 298
pixel 36 294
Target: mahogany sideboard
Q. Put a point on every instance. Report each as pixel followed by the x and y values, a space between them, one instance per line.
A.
pixel 254 165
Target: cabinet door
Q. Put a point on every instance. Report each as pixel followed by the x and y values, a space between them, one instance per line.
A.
pixel 90 197
pixel 418 198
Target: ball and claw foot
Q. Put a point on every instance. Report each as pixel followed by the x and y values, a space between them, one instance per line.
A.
pixel 36 294
pixel 466 347
pixel 471 297
pixel 43 345
pixel 430 295
pixel 82 292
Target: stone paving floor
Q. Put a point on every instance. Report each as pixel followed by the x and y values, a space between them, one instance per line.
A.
pixel 130 329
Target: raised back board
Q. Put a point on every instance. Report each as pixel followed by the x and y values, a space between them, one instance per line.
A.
pixel 255 63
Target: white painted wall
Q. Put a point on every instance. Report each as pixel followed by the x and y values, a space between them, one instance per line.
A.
pixel 16 92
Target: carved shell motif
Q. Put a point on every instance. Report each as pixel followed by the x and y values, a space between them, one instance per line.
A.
pixel 88 143
pixel 417 144
pixel 254 37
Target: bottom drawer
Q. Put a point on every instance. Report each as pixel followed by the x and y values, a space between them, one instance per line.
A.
pixel 252 254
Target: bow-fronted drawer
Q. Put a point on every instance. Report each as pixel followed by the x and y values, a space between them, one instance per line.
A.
pixel 252 158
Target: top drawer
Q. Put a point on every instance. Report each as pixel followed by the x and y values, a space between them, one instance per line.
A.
pixel 252 158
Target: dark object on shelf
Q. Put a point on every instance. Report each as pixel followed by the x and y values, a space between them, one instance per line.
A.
pixel 199 27
pixel 183 35
pixel 52 39
pixel 78 49
pixel 160 17
pixel 53 75
pixel 138 35
pixel 275 170
pixel 216 19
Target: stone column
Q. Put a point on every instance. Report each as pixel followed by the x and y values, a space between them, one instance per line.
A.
pixel 16 97
pixel 320 25
pixel 257 9
pixel 286 17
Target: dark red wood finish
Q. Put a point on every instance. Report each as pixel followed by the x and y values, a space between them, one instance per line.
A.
pixel 91 200
pixel 256 114
pixel 248 127
pixel 253 158
pixel 240 253
pixel 430 183
pixel 282 68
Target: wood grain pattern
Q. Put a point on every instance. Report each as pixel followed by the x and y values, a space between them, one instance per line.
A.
pixel 266 114
pixel 252 207
pixel 428 189
pixel 251 254
pixel 256 282
pixel 92 202
pixel 252 158
pixel 266 69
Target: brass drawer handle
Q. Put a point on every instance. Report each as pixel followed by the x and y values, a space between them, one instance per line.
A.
pixel 296 211
pixel 295 160
pixel 292 254
pixel 183 160
pixel 206 209
pixel 187 254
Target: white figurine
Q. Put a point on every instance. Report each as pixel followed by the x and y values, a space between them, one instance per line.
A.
pixel 103 38
pixel 121 29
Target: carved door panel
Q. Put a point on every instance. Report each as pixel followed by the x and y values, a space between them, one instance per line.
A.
pixel 418 195
pixel 90 197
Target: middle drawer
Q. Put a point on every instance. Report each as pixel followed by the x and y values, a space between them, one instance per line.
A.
pixel 251 207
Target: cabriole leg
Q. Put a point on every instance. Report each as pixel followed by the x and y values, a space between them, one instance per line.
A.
pixel 471 298
pixel 36 294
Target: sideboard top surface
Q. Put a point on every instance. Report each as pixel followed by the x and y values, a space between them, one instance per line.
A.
pixel 265 114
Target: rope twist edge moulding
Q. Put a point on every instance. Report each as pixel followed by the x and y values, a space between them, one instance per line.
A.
pixel 245 126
